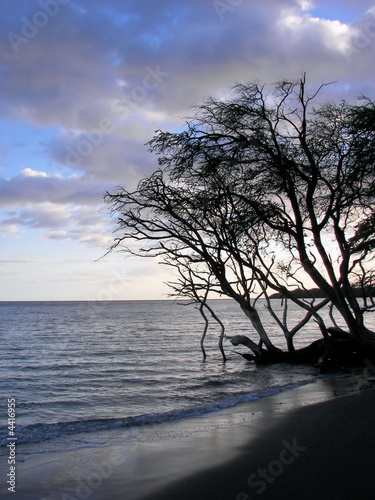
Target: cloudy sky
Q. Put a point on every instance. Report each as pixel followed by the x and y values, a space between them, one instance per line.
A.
pixel 84 84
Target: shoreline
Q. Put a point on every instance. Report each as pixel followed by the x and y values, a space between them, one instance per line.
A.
pixel 292 435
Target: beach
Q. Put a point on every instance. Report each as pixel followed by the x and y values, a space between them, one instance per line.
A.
pixel 294 445
pixel 324 450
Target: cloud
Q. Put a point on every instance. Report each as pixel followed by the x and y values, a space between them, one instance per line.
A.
pixel 32 187
pixel 73 71
pixel 7 228
pixel 96 240
pixel 109 159
pixel 88 225
pixel 69 74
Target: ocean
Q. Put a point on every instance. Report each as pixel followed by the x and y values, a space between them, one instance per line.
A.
pixel 79 370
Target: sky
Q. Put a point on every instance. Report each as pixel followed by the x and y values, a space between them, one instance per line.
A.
pixel 85 84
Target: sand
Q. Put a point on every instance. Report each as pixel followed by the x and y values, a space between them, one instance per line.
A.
pixel 322 451
pixel 289 446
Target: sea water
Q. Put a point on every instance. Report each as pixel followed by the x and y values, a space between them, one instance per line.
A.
pixel 75 368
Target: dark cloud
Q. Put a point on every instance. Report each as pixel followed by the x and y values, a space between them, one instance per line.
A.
pixel 66 74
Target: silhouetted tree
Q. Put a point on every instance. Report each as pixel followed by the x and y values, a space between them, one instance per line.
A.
pixel 262 194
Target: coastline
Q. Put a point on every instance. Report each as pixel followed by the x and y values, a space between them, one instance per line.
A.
pixel 299 444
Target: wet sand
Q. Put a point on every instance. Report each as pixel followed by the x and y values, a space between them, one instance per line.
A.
pixel 325 450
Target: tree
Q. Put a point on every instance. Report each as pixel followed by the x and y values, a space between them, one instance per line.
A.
pixel 261 194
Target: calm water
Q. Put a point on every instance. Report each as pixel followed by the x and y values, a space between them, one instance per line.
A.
pixel 78 367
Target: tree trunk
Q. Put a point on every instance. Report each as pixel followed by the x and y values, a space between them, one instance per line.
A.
pixel 253 316
pixel 289 343
pixel 339 351
pixel 261 356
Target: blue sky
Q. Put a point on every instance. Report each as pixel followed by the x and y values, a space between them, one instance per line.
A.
pixel 83 86
pixel 346 12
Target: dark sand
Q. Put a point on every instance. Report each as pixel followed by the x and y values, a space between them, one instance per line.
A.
pixel 322 451
pixel 281 447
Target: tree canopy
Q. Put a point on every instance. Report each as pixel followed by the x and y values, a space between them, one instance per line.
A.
pixel 264 193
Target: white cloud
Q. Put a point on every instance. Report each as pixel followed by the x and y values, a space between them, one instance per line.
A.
pixel 331 35
pixel 6 228
pixel 305 4
pixel 28 172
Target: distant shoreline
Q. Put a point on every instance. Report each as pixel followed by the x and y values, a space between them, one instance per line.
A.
pixel 312 293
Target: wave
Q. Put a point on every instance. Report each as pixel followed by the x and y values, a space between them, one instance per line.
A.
pixel 36 433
